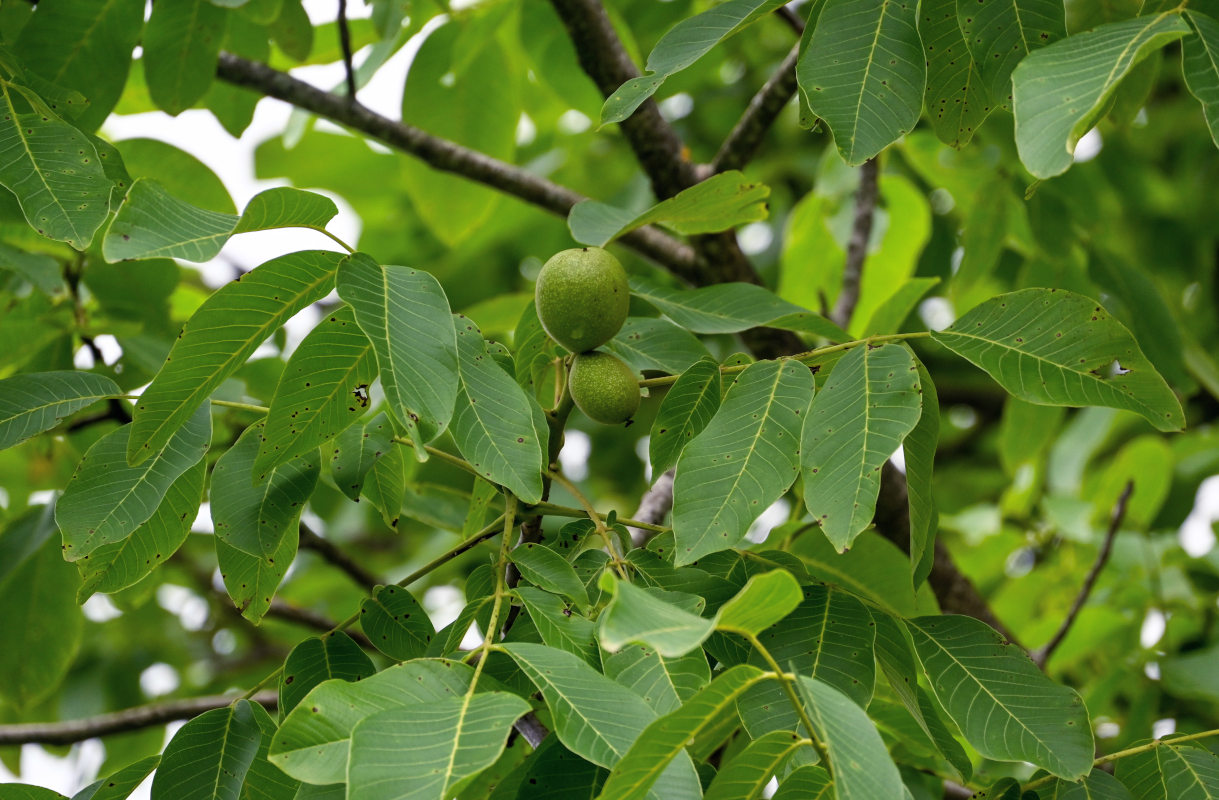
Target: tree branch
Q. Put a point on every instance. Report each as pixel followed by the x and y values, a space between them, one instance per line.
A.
pixel 345 44
pixel 857 248
pixel 657 146
pixel 738 149
pixel 1042 654
pixel 444 155
pixel 310 540
pixel 77 730
pixel 656 502
pixel 311 619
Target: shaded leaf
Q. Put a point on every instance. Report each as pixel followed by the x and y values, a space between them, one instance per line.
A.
pixel 1200 63
pixel 919 452
pixel 686 409
pixel 1171 772
pixel 1000 33
pixel 152 223
pixel 181 42
pixel 750 770
pixel 120 784
pixel 658 344
pixel 558 626
pixel 548 570
pixel 37 402
pixel 396 624
pixel 957 101
pixel 664 683
pixel 863 769
pixel 208 757
pixel 356 450
pixel 107 499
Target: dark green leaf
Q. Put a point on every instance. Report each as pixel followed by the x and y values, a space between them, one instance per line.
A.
pixel 685 410
pixel 333 656
pixel 31 404
pixel 181 43
pixel 1001 33
pixel 863 769
pixel 209 756
pixel 396 624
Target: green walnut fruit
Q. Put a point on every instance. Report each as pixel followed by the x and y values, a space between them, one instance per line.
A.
pixel 582 298
pixel 603 387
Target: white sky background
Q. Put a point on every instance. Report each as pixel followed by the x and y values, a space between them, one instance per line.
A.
pixel 232 159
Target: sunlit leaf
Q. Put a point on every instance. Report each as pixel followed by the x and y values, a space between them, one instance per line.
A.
pixel 743 461
pixel 1060 91
pixel 221 335
pixel 1059 348
pixel 761 603
pixel 636 616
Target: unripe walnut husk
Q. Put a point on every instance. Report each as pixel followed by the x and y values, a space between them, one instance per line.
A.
pixel 582 298
pixel 603 387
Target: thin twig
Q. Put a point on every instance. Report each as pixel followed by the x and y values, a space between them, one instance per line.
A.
pixel 653 506
pixel 309 618
pixel 739 148
pixel 444 155
pixel 597 520
pixel 131 719
pixel 332 554
pixel 345 44
pixel 792 19
pixel 857 248
pixel 1041 655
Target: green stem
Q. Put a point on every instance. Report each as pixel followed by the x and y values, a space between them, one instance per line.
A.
pixel 810 355
pixel 242 406
pixel 336 239
pixel 555 510
pixel 598 522
pixel 1131 751
pixel 789 688
pixel 500 592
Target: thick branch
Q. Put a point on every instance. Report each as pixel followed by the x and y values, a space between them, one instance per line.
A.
pixel 130 719
pixel 857 248
pixel 330 553
pixel 738 149
pixel 657 146
pixel 442 154
pixel 1042 654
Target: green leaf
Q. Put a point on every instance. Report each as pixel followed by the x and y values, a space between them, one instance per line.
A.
pixel 558 626
pixel 39 589
pixel 55 172
pixel 396 624
pixel 113 567
pixel 890 314
pixel 494 425
pixel 594 717
pixel 637 616
pixel 685 43
pixel 719 203
pixel 152 223
pixel 1054 347
pixel 405 314
pixel 256 525
pixel 868 405
pixel 665 738
pixel 864 74
pixel 743 461
pixel 548 570
pixel 919 451
pixel 425 750
pixel 1097 785
pixel 732 308
pixel 874 569
pixel 552 772
pixel 664 683
pixel 1171 772
pixel 1006 708
pixel 863 769
pixel 829 637
pixel 313 742
pixel 1001 33
pixel 181 43
pixel 42 271
pixel 356 450
pixel 985 231
pixel 86 46
pixel 477 105
pixel 208 757
pixel 761 603
pixel 957 101
pixel 646 343
pixel 37 402
pixel 106 500
pixel 264 780
pixel 747 774
pixel 806 783
pixel 333 656
pixel 1060 91
pixel 285 207
pixel 221 335
pixel 120 784
pixel 686 409
pixel 1200 63
pixel 322 391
